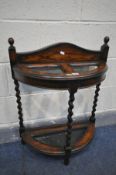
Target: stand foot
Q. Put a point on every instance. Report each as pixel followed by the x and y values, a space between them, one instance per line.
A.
pixel 22 141
pixel 67 155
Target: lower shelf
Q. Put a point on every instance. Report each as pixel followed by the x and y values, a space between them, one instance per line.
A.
pixel 51 140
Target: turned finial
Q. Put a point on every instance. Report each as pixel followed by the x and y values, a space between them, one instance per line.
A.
pixel 12 51
pixel 106 40
pixel 105 49
pixel 11 41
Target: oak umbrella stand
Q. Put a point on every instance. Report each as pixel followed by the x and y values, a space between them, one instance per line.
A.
pixel 59 66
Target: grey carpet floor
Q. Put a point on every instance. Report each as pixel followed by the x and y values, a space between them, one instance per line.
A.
pixel 98 158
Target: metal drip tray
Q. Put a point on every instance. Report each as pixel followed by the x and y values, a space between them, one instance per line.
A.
pixel 59 139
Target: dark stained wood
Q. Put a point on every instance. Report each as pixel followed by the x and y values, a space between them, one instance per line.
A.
pixel 92 118
pixel 19 107
pixel 62 82
pixel 104 49
pixel 12 51
pixel 66 68
pixel 67 147
pixel 50 150
pixel 60 52
pixel 61 55
pixel 82 142
pixel 59 66
pixel 12 55
pixel 28 70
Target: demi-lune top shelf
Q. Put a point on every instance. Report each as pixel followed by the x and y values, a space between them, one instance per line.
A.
pixel 62 65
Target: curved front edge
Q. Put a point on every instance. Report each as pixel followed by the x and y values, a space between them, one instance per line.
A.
pixel 56 151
